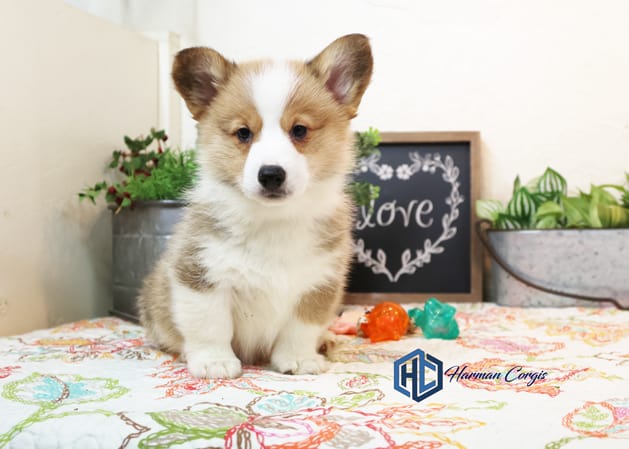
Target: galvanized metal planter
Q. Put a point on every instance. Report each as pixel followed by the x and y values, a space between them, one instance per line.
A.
pixel 139 238
pixel 592 262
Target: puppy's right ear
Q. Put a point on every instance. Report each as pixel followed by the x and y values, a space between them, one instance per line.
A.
pixel 199 73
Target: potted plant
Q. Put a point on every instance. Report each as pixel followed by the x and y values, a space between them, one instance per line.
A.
pixel 550 248
pixel 147 199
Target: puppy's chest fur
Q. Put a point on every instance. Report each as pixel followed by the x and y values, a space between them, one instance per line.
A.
pixel 282 259
pixel 265 268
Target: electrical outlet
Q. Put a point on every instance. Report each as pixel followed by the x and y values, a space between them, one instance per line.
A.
pixel 4 307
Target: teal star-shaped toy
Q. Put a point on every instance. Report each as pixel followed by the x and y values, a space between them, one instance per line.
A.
pixel 436 320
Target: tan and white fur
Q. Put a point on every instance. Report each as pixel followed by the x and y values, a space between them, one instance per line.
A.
pixel 256 270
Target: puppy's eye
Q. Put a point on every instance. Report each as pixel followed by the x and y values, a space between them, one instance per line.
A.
pixel 299 132
pixel 244 135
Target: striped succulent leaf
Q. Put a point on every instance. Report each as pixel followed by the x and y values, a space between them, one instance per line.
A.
pixel 542 197
pixel 505 221
pixel 552 182
pixel 517 184
pixel 489 209
pixel 522 205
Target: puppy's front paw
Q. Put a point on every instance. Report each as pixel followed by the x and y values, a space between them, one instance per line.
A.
pixel 313 364
pixel 207 364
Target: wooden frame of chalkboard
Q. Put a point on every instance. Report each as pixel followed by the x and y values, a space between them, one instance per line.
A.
pixel 418 241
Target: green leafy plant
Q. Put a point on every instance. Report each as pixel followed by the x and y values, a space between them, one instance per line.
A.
pixel 147 173
pixel 366 144
pixel 543 203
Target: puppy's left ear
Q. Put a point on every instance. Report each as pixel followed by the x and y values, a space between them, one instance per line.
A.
pixel 345 66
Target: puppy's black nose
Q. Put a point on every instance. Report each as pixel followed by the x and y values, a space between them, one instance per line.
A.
pixel 271 177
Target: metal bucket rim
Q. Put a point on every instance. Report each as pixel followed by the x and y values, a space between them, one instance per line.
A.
pixel 153 203
pixel 540 231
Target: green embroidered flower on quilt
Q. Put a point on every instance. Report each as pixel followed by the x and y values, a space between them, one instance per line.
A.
pixel 362 380
pixel 180 426
pixel 50 392
pixel 208 420
pixel 604 419
pixel 283 402
pixel 355 399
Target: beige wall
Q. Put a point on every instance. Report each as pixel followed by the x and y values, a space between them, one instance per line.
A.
pixel 546 82
pixel 70 86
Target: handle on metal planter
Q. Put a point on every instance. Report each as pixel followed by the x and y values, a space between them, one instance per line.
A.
pixel 481 229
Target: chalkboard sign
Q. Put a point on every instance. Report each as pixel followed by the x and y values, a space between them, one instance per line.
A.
pixel 417 239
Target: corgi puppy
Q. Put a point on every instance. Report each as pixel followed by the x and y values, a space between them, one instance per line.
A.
pixel 256 269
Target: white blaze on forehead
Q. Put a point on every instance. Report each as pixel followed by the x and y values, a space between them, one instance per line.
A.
pixel 270 91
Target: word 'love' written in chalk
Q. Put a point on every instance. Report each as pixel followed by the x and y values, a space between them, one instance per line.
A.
pixel 387 213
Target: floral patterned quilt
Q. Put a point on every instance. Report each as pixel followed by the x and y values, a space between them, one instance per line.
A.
pixel 516 378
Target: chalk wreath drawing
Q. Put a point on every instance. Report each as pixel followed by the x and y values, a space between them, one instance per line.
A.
pixel 427 164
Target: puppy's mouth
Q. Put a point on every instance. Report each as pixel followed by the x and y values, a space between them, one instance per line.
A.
pixel 268 197
pixel 273 196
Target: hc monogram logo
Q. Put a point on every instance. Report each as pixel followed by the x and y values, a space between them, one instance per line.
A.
pixel 410 372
